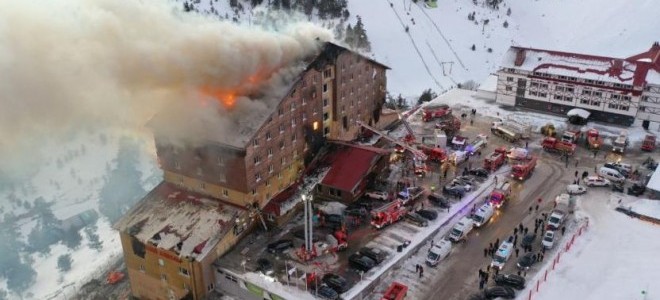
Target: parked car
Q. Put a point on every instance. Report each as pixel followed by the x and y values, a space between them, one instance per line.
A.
pixel 463 181
pixel 526 261
pixel 548 239
pixel 510 280
pixel 362 203
pixel 454 190
pixel 279 246
pixel 636 189
pixel 324 292
pixel 336 282
pixel 380 195
pixel 333 220
pixel 416 219
pixel 356 211
pixel 375 254
pixel 624 169
pixel 596 181
pixel 528 239
pixel 499 292
pixel 428 214
pixel 439 200
pixel 575 189
pixel 479 172
pixel 265 266
pixel 361 262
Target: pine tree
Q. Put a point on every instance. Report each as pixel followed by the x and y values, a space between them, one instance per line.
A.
pixel 349 38
pixel 72 239
pixel 427 95
pixel 362 41
pixel 64 263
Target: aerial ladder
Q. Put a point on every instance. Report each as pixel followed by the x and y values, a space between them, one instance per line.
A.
pixel 416 152
pixel 410 138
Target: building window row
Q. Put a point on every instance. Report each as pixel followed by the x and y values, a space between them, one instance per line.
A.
pixel 618 106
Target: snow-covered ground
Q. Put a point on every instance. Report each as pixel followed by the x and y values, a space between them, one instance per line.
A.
pixel 71 176
pixel 647 207
pixel 445 35
pixel 615 259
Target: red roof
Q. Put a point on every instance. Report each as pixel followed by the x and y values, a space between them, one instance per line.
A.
pixel 349 165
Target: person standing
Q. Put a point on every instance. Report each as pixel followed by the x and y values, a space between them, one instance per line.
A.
pixel 517 250
pixel 563 230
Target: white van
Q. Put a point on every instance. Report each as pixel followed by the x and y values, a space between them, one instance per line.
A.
pixel 502 255
pixel 438 252
pixel 461 229
pixel 483 214
pixel 611 174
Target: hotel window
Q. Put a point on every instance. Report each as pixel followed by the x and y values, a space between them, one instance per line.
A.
pixel 595 103
pixel 327 73
pixel 221 161
pixel 271 169
pixel 325 116
pixel 257 177
pixel 508 88
pixel 586 92
pixel 559 88
pixel 304 101
pixel 615 96
pixel 280 111
pixel 293 106
pixel 255 142
pixel 281 128
pixel 142 268
pixel 293 122
pixel 283 160
pixel 267 184
pixel 254 191
pixel 589 81
pixel 199 171
pixel 161 262
pixel 183 271
pixel 279 175
pixel 626 98
pixel 315 111
pixel 597 94
pixel 612 105
pixel 270 152
pixel 558 97
pixel 325 87
pixel 568 99
pixel 584 101
pixel 314 95
pixel 509 79
pixel 294 137
pixel 177 165
pixel 202 185
pixel 223 177
pixel 295 153
pixel 186 287
pixel 570 89
pixel 225 193
pixel 544 86
pixel 304 116
pixel 562 77
pixel 257 159
pixel 534 84
pixel 281 144
pixel 163 277
pixel 533 93
pixel 325 102
pixel 624 107
pixel 268 136
pixel 543 95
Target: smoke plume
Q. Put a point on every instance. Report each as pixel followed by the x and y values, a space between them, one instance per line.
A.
pixel 78 63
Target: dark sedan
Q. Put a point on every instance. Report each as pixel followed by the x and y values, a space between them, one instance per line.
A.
pixel 377 255
pixel 636 190
pixel 361 262
pixel 336 282
pixel 478 172
pixel 510 280
pixel 528 239
pixel 439 200
pixel 526 261
pixel 499 292
pixel 279 246
pixel 456 191
pixel 416 219
pixel 324 292
pixel 428 214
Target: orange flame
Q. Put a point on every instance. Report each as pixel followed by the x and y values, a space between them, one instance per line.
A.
pixel 225 97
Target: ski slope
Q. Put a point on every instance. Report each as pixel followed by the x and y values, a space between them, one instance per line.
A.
pixel 444 34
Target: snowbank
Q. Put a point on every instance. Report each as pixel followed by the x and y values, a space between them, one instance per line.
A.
pixel 647 207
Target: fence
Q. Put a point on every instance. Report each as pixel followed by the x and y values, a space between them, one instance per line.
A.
pixel 542 276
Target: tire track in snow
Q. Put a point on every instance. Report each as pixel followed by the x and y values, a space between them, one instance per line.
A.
pixel 419 53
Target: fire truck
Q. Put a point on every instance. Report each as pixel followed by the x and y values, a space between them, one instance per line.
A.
pixel 495 160
pixel 388 214
pixel 434 154
pixel 571 136
pixel 594 140
pixel 649 143
pixel 338 240
pixel 451 126
pixel 500 194
pixel 621 142
pixel 551 144
pixel 523 170
pixel 429 113
pixel 478 144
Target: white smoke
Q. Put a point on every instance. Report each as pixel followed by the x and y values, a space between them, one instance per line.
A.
pixel 73 63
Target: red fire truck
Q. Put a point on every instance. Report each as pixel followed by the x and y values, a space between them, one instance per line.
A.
pixel 500 194
pixel 429 113
pixel 434 154
pixel 523 170
pixel 551 144
pixel 571 136
pixel 495 160
pixel 388 214
pixel 649 143
pixel 594 140
pixel 396 291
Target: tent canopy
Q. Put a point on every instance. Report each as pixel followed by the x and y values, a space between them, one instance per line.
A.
pixel 578 112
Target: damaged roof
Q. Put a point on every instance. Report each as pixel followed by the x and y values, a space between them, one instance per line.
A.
pixel 173 219
pixel 350 164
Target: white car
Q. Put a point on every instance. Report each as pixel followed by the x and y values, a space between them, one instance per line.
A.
pixel 377 195
pixel 548 239
pixel 596 181
pixel 574 189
